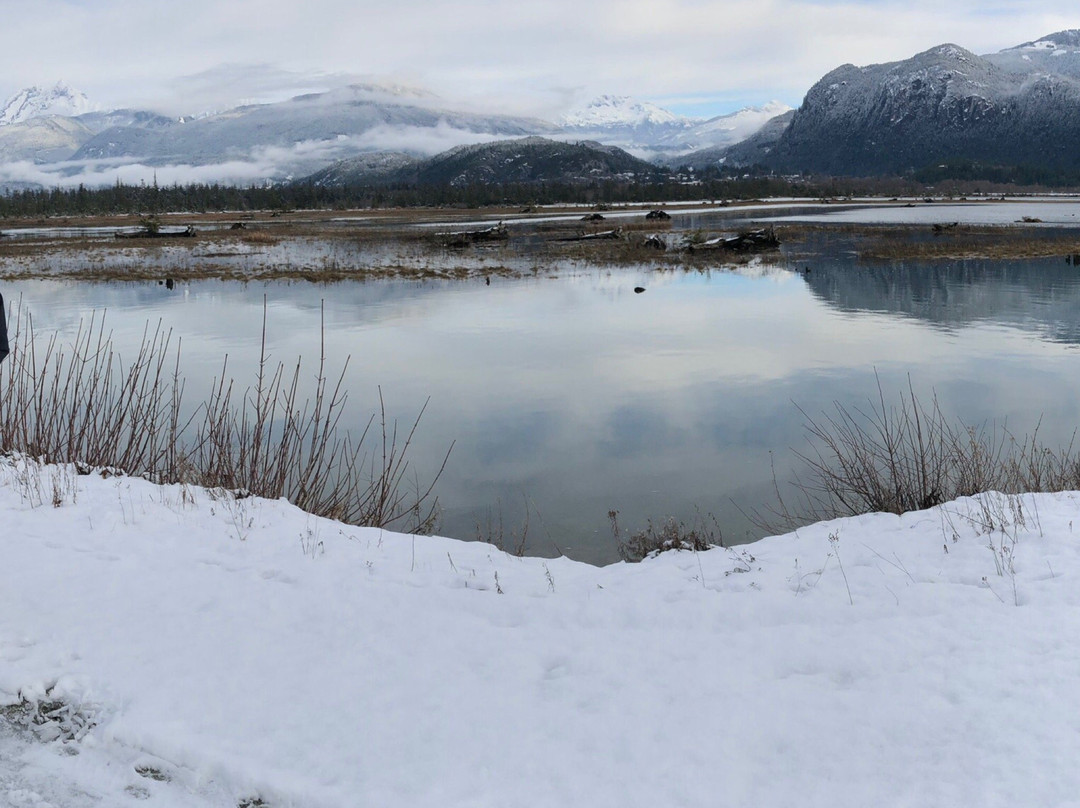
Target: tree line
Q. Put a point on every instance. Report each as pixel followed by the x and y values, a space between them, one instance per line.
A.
pixel 149 199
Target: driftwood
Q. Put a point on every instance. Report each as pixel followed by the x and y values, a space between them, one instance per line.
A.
pixel 750 241
pixel 607 235
pixel 187 232
pixel 663 215
pixel 654 243
pixel 464 238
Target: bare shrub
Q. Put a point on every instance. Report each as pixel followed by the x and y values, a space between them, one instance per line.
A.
pixel 671 534
pixel 909 456
pixel 80 402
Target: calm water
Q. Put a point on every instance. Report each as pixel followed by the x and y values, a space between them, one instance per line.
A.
pixel 573 396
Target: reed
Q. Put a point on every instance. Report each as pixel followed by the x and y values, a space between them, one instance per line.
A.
pixel 82 402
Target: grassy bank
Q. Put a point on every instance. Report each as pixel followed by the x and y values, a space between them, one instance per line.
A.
pixel 84 402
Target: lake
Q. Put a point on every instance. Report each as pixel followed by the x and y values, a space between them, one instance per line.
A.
pixel 566 397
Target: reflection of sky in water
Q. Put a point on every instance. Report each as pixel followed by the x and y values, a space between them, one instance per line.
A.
pixel 1062 212
pixel 578 396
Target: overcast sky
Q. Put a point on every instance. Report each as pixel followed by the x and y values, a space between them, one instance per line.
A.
pixel 692 56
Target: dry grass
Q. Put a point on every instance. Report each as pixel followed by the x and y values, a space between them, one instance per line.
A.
pixel 968 242
pixel 83 402
pixel 258 237
pixel 670 535
pixel 908 456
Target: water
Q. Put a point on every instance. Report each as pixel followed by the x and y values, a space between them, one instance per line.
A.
pixel 571 396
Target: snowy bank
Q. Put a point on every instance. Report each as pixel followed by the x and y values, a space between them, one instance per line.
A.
pixel 241 650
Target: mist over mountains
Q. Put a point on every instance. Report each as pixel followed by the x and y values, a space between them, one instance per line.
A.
pixel 946 106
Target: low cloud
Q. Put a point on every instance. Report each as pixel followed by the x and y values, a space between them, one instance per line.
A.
pixel 262 164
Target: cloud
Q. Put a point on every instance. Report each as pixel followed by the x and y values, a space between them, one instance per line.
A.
pixel 261 164
pixel 521 58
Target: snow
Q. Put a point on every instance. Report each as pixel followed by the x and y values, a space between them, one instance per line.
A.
pixel 34 102
pixel 242 649
pixel 619 110
pixel 743 123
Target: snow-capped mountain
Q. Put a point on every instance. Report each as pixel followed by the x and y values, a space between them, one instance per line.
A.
pixel 939 107
pixel 609 111
pixel 308 132
pixel 736 126
pixel 35 102
pixel 1058 53
pixel 654 132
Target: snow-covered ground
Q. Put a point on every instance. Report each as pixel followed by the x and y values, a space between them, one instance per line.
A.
pixel 233 650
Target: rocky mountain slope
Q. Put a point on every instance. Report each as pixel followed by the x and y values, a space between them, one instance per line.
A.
pixel 1017 108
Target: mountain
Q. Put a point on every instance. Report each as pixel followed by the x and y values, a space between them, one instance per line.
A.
pixel 1020 107
pixel 726 130
pixel 653 132
pixel 609 111
pixel 1057 53
pixel 42 139
pixel 519 161
pixel 307 132
pixel 34 102
pixel 639 126
pixel 374 168
pixel 750 151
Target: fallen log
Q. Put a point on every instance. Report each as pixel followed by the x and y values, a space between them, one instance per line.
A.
pixel 750 241
pixel 464 238
pixel 607 235
pixel 186 232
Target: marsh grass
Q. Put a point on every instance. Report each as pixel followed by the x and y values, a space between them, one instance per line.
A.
pixel 669 535
pixel 82 402
pixel 907 455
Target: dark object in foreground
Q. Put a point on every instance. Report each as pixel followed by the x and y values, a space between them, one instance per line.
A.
pixel 3 332
pixel 638 290
pixel 146 232
pixel 654 243
pixel 750 241
pixel 593 217
pixel 658 214
pixel 464 238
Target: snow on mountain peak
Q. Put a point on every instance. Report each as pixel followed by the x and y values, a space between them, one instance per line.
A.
pixel 619 110
pixel 34 102
pixel 1062 40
